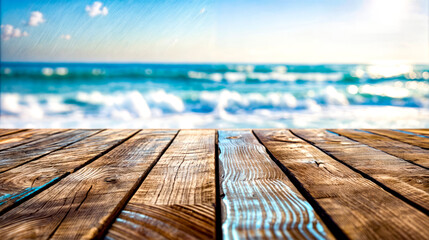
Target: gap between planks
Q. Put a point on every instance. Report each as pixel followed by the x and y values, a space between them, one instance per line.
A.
pixel 258 199
pixel 44 172
pixel 177 198
pixel 325 217
pixel 405 151
pixel 367 211
pixel 5 132
pixel 113 179
pixel 402 136
pixel 27 137
pixel 297 184
pixel 18 156
pixel 401 178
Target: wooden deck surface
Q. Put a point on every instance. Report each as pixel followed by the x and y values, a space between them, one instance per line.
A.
pixel 214 184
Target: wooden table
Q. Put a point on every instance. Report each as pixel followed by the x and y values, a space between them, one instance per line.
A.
pixel 205 184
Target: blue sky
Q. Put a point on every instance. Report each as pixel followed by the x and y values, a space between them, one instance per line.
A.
pixel 306 31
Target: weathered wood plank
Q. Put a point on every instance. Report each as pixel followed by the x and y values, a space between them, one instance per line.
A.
pixel 424 132
pixel 177 221
pixel 409 180
pixel 360 208
pixel 403 137
pixel 20 138
pixel 85 202
pixel 17 156
pixel 396 148
pixel 24 181
pixel 7 131
pixel 177 199
pixel 259 200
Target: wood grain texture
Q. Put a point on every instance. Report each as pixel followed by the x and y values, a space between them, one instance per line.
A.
pixel 360 208
pixel 24 181
pixel 164 222
pixel 84 203
pixel 408 180
pixel 424 132
pixel 396 148
pixel 24 137
pixel 8 131
pixel 403 137
pixel 177 199
pixel 259 201
pixel 16 156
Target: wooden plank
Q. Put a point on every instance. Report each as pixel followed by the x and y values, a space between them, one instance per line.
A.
pixel 396 148
pixel 23 182
pixel 17 156
pixel 8 131
pixel 359 207
pixel 20 138
pixel 177 199
pixel 412 139
pixel 424 132
pixel 85 202
pixel 409 180
pixel 259 201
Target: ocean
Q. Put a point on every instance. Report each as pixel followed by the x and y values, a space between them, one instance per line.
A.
pixel 96 95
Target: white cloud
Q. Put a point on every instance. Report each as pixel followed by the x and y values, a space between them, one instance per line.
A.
pixel 96 9
pixel 36 18
pixel 65 36
pixel 8 32
pixel 203 10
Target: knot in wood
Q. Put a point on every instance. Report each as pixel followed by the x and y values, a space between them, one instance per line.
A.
pixel 110 179
pixel 234 137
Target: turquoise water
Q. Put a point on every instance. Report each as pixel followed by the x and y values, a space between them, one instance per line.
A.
pixel 213 95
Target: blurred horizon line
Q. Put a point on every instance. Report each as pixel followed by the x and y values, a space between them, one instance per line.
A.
pixel 215 63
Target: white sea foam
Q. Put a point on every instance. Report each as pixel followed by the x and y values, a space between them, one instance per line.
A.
pixel 280 69
pixel 389 91
pixel 231 100
pixel 166 102
pixel 7 71
pixel 289 100
pixel 96 71
pixel 47 71
pixel 329 117
pixel 94 97
pixel 223 108
pixel 312 105
pixel 61 71
pixel 278 75
pixel 216 77
pixel 21 106
pixel 121 114
pixel 33 109
pixel 317 77
pixel 55 105
pixel 135 103
pixel 10 102
pixel 334 97
pixel 233 77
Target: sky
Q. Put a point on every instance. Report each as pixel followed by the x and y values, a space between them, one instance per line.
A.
pixel 244 31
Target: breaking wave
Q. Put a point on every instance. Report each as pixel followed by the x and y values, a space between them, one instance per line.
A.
pixel 188 96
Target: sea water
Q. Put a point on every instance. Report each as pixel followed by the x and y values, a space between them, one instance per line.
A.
pixel 94 95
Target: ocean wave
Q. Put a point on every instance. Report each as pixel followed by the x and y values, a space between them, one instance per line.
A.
pixel 145 105
pixel 149 74
pixel 217 73
pixel 233 77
